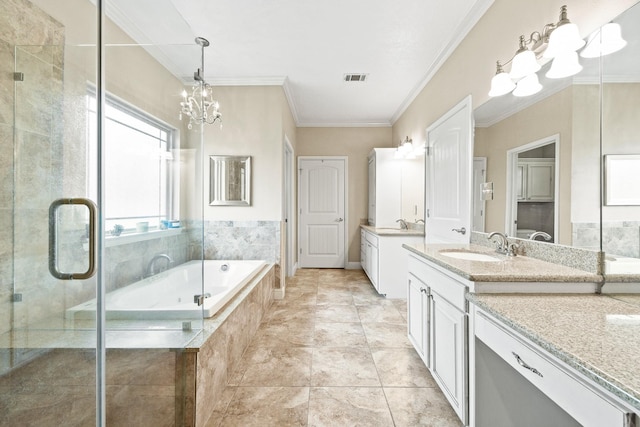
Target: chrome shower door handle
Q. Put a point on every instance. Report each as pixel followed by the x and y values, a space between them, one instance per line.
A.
pixel 53 239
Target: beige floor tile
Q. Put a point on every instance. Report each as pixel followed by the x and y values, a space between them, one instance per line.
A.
pixel 334 297
pixel 292 314
pixel 294 297
pixel 348 406
pixel 282 334
pixel 420 407
pixel 337 313
pixel 343 366
pixel 386 335
pixel 387 313
pixel 334 334
pixel 221 405
pixel 268 407
pixel 277 367
pixel 401 367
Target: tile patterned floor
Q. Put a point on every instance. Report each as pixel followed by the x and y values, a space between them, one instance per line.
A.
pixel 332 353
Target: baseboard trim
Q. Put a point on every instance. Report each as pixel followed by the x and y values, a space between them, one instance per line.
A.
pixel 353 266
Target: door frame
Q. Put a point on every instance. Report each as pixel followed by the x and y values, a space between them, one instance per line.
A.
pixel 345 243
pixel 512 176
pixel 289 208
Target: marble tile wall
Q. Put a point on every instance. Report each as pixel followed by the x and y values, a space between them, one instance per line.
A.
pixel 242 240
pixel 621 238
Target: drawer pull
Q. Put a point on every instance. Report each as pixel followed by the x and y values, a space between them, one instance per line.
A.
pixel 524 365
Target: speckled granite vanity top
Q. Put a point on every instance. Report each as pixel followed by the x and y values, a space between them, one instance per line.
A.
pixel 390 231
pixel 506 269
pixel 597 335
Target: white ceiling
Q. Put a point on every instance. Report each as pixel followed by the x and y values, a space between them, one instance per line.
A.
pixel 308 46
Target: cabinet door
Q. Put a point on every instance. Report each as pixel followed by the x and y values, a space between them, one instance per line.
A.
pixel 540 182
pixel 418 317
pixel 373 271
pixel 448 355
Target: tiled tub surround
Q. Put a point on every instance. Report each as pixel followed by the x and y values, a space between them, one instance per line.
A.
pixel 146 385
pixel 595 334
pixel 510 274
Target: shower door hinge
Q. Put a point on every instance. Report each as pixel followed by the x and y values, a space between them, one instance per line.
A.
pixel 17 298
pixel 18 77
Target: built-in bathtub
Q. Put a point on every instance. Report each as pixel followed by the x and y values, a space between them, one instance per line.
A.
pixel 173 294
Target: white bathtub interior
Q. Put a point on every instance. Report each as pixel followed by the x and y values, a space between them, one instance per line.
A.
pixel 173 294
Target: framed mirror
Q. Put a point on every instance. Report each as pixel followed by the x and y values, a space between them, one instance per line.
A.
pixel 230 180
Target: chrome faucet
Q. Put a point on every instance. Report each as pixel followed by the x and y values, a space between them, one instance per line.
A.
pixel 503 244
pixel 151 266
pixel 403 224
pixel 544 235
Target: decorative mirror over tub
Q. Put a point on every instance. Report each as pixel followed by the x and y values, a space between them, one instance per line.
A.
pixel 230 180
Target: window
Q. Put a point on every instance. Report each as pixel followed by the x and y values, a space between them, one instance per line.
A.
pixel 137 167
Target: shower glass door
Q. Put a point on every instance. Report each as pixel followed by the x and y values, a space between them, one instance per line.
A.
pixel 100 201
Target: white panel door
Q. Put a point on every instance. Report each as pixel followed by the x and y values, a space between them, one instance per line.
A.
pixel 322 212
pixel 448 176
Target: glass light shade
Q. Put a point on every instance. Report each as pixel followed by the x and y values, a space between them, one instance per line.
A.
pixel 564 38
pixel 529 85
pixel 501 84
pixel 604 41
pixel 564 65
pixel 524 63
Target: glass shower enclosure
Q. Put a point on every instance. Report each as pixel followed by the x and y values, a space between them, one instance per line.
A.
pixel 99 204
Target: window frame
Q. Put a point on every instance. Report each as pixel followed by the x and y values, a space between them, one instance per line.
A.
pixel 172 142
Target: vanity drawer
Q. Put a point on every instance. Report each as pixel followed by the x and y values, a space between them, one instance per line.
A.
pixel 566 388
pixel 449 288
pixel 373 239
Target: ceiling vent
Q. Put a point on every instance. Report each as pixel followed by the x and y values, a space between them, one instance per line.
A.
pixel 355 77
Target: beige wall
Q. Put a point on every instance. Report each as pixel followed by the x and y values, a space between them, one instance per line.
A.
pixel 355 143
pixel 254 120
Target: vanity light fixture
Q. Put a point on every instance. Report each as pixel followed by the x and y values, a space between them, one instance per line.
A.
pixel 200 106
pixel 558 41
pixel 604 41
pixel 406 150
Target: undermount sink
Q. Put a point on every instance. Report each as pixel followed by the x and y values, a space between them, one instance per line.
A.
pixel 470 256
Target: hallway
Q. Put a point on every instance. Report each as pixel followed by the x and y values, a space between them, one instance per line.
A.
pixel 332 353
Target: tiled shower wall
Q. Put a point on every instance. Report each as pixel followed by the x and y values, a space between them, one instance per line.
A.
pixel 620 238
pixel 31 42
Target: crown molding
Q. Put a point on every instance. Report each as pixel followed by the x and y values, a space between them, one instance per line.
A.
pixel 461 31
pixel 344 125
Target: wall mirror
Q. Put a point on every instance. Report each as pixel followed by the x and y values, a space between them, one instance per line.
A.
pixel 230 180
pixel 569 109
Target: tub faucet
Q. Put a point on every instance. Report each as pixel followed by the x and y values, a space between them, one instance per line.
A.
pixel 151 266
pixel 503 244
pixel 403 224
pixel 544 235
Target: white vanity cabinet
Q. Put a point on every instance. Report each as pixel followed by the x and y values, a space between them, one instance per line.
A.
pixel 437 328
pixel 549 392
pixel 384 261
pixel 536 180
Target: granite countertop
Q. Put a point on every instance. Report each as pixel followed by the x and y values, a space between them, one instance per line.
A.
pixel 597 335
pixel 391 231
pixel 508 269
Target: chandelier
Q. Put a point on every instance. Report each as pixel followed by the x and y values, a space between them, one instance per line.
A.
pixel 200 106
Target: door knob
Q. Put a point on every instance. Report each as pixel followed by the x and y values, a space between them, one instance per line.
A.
pixel 339 220
pixel 461 230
